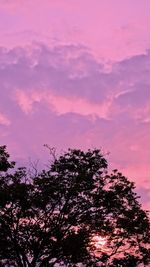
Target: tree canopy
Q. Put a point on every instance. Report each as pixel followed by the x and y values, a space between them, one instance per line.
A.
pixel 54 217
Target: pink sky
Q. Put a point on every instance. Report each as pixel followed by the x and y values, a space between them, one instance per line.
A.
pixel 76 73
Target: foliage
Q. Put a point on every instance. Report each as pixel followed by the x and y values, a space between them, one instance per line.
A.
pixel 53 217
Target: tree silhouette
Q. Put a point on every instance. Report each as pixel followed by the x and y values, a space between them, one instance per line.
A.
pixel 53 217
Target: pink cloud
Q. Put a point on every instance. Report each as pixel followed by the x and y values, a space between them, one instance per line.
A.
pixel 4 120
pixel 61 105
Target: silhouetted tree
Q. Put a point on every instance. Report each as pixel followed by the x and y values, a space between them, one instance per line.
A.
pixel 54 217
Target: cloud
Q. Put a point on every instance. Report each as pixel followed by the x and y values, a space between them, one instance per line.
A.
pixel 65 97
pixel 4 120
pixel 74 75
pixel 61 105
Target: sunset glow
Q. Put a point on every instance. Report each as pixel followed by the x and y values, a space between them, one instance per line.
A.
pixel 99 242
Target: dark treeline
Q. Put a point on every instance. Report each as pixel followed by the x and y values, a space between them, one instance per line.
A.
pixel 52 217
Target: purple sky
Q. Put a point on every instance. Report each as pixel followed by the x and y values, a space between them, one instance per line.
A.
pixel 76 73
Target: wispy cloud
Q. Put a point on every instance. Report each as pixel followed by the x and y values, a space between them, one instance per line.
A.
pixel 61 105
pixel 4 120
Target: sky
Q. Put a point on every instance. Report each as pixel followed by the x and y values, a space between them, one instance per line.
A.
pixel 76 73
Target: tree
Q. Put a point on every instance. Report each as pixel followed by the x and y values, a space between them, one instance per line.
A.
pixel 55 216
